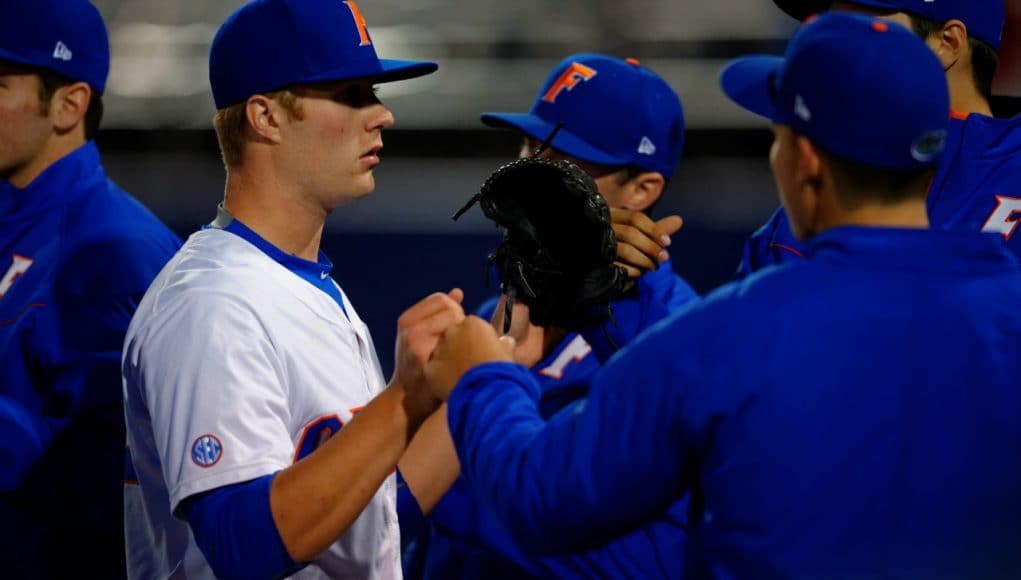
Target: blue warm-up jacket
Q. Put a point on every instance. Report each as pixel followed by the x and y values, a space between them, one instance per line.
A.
pixel 852 415
pixel 76 255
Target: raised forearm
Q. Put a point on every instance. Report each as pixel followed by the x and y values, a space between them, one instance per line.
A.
pixel 317 499
pixel 430 465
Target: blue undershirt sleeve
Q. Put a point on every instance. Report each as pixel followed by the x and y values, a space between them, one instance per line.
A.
pixel 234 528
pixel 409 513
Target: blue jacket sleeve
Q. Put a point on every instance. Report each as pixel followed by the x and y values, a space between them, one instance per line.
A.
pixel 234 528
pixel 659 294
pixel 773 243
pixel 62 368
pixel 24 438
pixel 65 369
pixel 569 484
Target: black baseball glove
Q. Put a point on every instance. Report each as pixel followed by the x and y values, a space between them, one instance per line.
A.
pixel 558 248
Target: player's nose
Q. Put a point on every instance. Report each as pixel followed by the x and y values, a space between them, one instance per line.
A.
pixel 382 118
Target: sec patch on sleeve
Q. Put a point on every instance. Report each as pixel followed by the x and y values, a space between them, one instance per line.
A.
pixel 206 451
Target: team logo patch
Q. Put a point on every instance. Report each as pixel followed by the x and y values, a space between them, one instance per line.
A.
pixel 571 76
pixel 929 146
pixel 206 451
pixel 363 31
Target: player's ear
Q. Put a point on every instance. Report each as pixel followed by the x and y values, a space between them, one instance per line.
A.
pixel 644 190
pixel 69 105
pixel 264 118
pixel 810 163
pixel 809 184
pixel 950 43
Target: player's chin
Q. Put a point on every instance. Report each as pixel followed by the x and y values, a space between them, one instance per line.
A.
pixel 364 183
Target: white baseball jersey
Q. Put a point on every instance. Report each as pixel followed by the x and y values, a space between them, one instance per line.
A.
pixel 234 368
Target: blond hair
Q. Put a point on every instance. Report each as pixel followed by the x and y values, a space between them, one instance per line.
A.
pixel 231 124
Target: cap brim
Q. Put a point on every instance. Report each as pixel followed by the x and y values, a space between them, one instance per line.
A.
pixel 565 141
pixel 802 9
pixel 388 72
pixel 399 70
pixel 747 81
pixel 17 60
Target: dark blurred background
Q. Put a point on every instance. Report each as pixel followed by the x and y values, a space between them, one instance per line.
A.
pixel 400 243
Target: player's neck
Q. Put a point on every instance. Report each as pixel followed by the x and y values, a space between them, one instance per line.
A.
pixel 906 214
pixel 965 98
pixel 58 147
pixel 270 211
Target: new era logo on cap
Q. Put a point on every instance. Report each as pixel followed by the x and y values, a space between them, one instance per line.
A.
pixel 647 147
pixel 62 52
pixel 801 109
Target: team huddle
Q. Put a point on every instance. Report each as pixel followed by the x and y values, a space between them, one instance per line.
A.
pixel 849 406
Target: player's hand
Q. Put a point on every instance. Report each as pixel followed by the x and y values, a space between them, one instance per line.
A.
pixel 418 332
pixel 641 242
pixel 529 339
pixel 463 347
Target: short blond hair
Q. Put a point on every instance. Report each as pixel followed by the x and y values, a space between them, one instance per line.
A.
pixel 231 124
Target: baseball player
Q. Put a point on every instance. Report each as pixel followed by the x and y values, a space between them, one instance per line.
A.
pixel 873 434
pixel 624 125
pixel 631 157
pixel 76 255
pixel 978 187
pixel 262 434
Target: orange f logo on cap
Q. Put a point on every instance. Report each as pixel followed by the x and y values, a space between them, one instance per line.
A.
pixel 572 76
pixel 363 32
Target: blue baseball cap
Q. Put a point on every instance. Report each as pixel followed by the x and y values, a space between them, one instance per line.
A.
pixel 65 36
pixel 983 18
pixel 614 112
pixel 857 86
pixel 268 45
